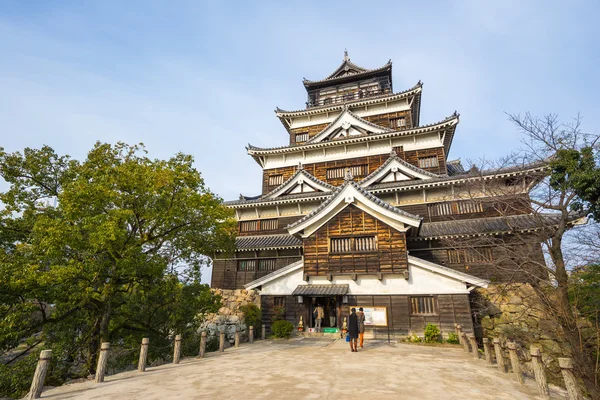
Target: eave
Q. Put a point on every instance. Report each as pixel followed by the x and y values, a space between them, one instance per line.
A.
pixel 449 124
pixel 363 74
pixel 415 90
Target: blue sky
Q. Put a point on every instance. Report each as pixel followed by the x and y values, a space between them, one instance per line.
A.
pixel 205 77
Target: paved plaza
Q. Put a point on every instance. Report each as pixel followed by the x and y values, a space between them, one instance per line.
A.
pixel 312 369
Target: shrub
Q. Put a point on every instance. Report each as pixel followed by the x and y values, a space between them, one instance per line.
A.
pixel 453 338
pixel 432 333
pixel 414 339
pixel 282 329
pixel 252 315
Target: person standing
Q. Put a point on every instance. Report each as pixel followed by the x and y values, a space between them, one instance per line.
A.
pixel 361 326
pixel 353 329
pixel 319 315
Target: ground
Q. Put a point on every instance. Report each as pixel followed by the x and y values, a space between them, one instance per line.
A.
pixel 312 369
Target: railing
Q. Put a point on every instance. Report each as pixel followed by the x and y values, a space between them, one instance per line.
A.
pixel 346 97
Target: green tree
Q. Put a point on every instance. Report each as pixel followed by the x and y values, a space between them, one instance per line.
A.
pixel 107 249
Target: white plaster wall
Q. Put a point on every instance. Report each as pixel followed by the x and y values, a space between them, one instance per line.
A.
pixel 421 281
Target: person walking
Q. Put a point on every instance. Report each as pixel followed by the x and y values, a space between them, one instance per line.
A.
pixel 353 329
pixel 361 327
pixel 319 315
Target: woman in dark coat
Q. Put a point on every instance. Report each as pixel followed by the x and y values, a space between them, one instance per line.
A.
pixel 353 329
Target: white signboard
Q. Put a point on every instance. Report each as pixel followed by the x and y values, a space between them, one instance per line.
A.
pixel 375 316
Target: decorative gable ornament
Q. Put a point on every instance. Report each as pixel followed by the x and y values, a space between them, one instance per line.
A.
pixel 351 193
pixel 300 182
pixel 395 169
pixel 345 125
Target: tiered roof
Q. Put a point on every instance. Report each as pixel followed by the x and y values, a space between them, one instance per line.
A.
pixel 348 71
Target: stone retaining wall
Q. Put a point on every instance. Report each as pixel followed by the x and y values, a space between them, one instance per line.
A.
pixel 229 318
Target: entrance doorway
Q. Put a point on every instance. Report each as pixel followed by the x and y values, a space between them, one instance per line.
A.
pixel 332 310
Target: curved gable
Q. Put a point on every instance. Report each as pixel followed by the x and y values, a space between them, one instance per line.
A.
pixel 395 169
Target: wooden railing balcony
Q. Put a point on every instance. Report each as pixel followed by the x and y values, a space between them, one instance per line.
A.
pixel 346 97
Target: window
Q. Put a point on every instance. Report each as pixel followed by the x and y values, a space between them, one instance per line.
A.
pixel 428 162
pixel 279 301
pixel 477 255
pixel 247 265
pixel 358 244
pixel 423 305
pixel 340 172
pixel 275 180
pixel 458 207
pixel 301 137
pixel 259 225
pixel 398 123
pixel 268 264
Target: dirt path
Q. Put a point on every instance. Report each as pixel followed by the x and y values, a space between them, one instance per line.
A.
pixel 312 369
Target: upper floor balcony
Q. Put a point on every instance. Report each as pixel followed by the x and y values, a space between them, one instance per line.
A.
pixel 317 99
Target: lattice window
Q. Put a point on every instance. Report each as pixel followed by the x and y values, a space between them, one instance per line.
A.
pixel 247 265
pixel 267 264
pixel 358 244
pixel 258 225
pixel 275 180
pixel 481 255
pixel 398 123
pixel 279 301
pixel 423 305
pixel 301 137
pixel 340 172
pixel 460 207
pixel 428 162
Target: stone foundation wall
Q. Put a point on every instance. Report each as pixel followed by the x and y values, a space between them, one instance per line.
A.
pixel 517 313
pixel 229 318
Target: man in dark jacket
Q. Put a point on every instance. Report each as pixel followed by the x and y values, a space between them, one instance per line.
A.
pixel 353 329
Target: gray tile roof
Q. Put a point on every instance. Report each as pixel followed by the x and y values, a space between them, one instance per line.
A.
pixel 302 172
pixel 394 156
pixel 350 65
pixel 491 225
pixel 267 242
pixel 347 111
pixel 320 290
pixel 403 132
pixel 368 195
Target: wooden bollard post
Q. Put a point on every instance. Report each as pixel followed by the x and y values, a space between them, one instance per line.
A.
pixel 237 337
pixel 251 334
pixel 40 374
pixel 486 350
pixel 143 354
pixel 566 367
pixel 474 347
pixel 539 372
pixel 459 333
pixel 499 355
pixel 465 342
pixel 202 344
pixel 263 332
pixel 177 349
pixel 222 341
pixel 102 361
pixel 514 361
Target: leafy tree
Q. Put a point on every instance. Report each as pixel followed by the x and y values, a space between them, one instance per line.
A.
pixel 107 249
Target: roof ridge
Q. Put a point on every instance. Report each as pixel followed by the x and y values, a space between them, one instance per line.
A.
pixel 291 178
pixel 395 156
pixel 350 64
pixel 403 131
pixel 362 191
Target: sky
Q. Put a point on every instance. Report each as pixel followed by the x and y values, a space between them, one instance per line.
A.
pixel 204 77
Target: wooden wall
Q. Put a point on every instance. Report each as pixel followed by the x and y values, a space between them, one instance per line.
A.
pixel 226 276
pixel 319 170
pixel 391 246
pixel 452 309
pixel 382 120
pixel 522 263
pixel 282 222
pixel 491 208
